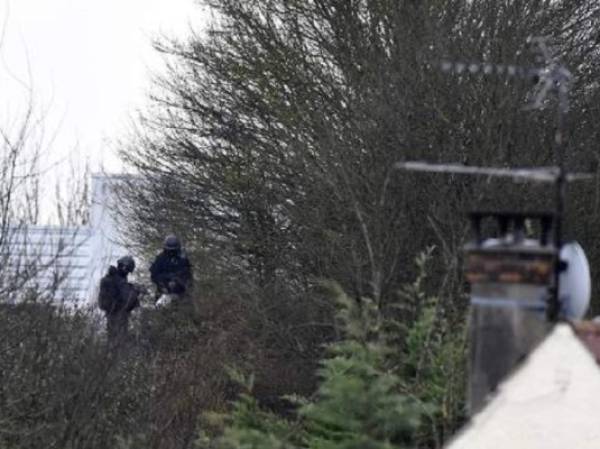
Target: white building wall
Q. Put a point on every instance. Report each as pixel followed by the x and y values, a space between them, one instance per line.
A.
pixel 69 260
pixel 53 260
pixel 106 246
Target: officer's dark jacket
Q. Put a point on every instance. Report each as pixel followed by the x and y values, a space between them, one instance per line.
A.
pixel 116 295
pixel 171 268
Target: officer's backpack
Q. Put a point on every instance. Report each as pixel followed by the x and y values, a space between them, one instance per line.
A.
pixel 106 294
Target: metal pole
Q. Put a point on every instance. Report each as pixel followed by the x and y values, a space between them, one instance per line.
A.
pixel 554 306
pixel 561 79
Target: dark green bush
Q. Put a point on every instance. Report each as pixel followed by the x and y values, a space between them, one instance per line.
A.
pixel 377 388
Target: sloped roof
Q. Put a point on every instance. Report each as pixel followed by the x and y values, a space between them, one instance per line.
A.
pixel 550 402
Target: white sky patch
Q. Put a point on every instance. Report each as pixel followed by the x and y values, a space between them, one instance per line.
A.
pixel 88 65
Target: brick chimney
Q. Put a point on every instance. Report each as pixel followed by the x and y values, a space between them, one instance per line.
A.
pixel 511 280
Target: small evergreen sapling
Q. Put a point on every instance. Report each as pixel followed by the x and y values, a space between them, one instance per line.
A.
pixel 358 405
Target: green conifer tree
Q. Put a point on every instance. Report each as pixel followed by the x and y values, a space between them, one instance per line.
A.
pixel 359 403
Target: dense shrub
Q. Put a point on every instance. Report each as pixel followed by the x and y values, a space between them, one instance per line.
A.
pixel 61 385
pixel 169 385
pixel 383 385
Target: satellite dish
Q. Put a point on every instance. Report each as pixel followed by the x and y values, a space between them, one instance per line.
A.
pixel 575 284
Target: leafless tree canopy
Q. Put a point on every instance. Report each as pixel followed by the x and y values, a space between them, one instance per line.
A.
pixel 270 145
pixel 271 141
pixel 32 259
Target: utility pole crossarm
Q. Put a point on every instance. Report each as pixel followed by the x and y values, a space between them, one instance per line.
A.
pixel 537 174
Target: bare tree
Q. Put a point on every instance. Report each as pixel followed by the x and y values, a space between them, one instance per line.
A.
pixel 270 145
pixel 33 257
pixel 274 136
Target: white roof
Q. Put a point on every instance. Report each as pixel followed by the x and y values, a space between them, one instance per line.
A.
pixel 551 402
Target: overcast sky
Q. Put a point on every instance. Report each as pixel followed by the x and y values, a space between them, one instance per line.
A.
pixel 87 62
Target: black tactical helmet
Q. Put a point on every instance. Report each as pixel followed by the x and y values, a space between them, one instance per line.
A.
pixel 126 263
pixel 172 243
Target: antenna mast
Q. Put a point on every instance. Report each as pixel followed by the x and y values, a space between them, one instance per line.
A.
pixel 551 77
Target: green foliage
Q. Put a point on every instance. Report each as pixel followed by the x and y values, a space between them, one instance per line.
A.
pixel 431 355
pixel 360 404
pixel 373 392
pixel 254 428
pixel 433 369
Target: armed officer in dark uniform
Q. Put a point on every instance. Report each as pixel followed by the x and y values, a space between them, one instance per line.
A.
pixel 171 271
pixel 117 298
